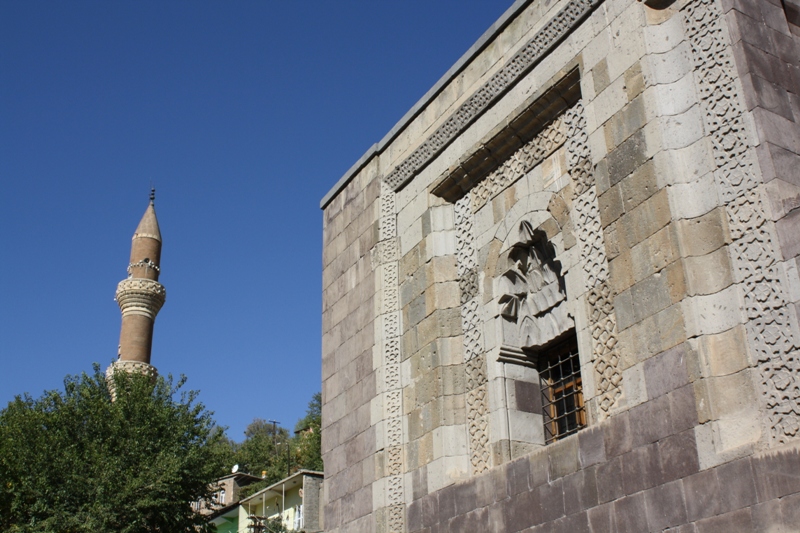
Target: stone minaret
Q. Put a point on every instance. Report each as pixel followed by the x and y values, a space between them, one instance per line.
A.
pixel 140 297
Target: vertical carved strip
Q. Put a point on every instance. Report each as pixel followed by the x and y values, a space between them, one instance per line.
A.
pixel 753 252
pixel 602 319
pixel 385 261
pixel 474 356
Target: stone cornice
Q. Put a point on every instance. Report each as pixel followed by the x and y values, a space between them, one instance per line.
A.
pixel 517 67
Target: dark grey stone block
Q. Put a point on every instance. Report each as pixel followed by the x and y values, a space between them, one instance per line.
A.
pixel 609 480
pixel 630 514
pixel 750 30
pixel 592 446
pixel 497 520
pixel 790 509
pixel 665 506
pixel 652 421
pixel 768 517
pixel 577 523
pixel 414 516
pixel 500 483
pixel 617 435
pixel 551 501
pixel 484 490
pixel 641 469
pixel 580 491
pixel 563 456
pixel 776 474
pixel 430 510
pixel 539 465
pixel 788 235
pixel 518 476
pixel 735 522
pixel 601 519
pixel 522 511
pixel 702 495
pixel 464 495
pixel 666 371
pixel 529 395
pixel 627 157
pixel 678 456
pixel 738 486
pixel 682 408
pixel 447 503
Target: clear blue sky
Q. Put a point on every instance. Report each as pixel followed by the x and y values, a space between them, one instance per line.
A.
pixel 244 114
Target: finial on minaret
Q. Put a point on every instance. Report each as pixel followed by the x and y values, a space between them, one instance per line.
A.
pixel 140 297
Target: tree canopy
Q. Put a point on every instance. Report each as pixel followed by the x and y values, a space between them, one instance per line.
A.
pixel 75 461
pixel 270 449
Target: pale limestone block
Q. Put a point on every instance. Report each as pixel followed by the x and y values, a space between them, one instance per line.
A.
pixel 708 274
pixel 628 43
pixel 496 395
pixel 411 212
pixel 411 236
pixel 525 427
pixel 483 220
pixel 723 353
pixel 442 243
pixel 694 198
pixel 408 481
pixel 588 375
pixel 710 451
pixel 451 350
pixel 792 277
pixel 436 477
pixel 609 102
pixel 588 105
pixel 442 218
pixel 597 146
pixel 498 422
pixel 704 234
pixel 633 385
pixel 742 432
pixel 668 67
pixel 676 131
pixel 490 338
pixel 454 440
pixel 615 8
pixel 376 410
pixel 377 354
pixel 661 38
pixel 684 165
pixel 713 313
pixel 670 98
pixel 456 468
pixel 596 50
pixel 405 371
pixel 379 491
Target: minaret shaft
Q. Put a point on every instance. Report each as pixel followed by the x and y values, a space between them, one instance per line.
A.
pixel 140 297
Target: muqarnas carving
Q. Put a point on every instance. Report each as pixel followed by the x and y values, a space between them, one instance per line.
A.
pixel 533 306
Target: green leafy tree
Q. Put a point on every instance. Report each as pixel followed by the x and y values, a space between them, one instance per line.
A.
pixel 75 461
pixel 264 449
pixel 308 440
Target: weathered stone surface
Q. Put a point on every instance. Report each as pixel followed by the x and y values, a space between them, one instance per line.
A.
pixel 655 147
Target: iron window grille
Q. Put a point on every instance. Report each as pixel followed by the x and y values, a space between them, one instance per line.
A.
pixel 562 391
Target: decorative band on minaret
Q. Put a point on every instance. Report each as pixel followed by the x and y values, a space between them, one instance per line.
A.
pixel 140 297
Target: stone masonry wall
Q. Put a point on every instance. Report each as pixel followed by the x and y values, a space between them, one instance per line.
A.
pixel 652 145
pixel 348 377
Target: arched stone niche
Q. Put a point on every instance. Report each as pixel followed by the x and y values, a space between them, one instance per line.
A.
pixel 533 298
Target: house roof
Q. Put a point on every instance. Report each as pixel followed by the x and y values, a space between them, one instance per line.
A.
pixel 276 489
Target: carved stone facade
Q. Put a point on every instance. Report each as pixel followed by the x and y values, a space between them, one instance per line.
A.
pixel 619 174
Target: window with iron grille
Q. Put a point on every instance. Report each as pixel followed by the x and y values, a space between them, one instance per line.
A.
pixel 562 391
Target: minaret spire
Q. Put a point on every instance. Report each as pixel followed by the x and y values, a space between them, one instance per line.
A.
pixel 140 296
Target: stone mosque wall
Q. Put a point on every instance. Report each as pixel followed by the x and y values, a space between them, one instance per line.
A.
pixel 562 293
